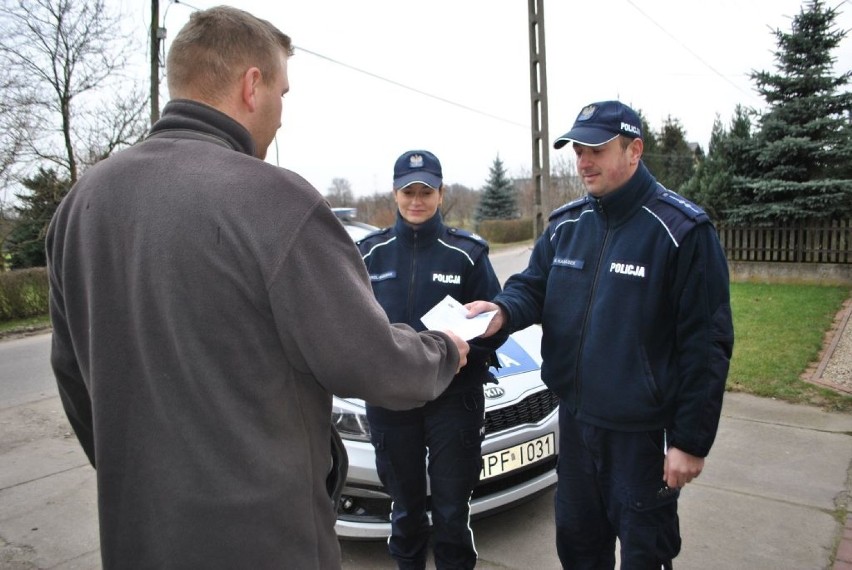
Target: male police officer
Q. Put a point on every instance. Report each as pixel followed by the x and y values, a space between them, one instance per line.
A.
pixel 631 287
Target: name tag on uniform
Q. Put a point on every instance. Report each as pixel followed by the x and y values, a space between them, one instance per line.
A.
pixel 383 276
pixel 570 263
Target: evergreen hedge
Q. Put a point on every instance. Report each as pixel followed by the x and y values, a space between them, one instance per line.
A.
pixel 506 231
pixel 23 293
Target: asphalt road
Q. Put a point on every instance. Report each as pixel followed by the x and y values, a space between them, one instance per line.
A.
pixel 25 370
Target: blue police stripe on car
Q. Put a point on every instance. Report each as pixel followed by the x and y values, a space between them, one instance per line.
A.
pixel 513 360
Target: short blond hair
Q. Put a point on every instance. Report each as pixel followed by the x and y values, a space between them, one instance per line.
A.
pixel 217 46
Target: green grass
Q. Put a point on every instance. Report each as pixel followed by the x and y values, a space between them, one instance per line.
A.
pixel 24 325
pixel 779 331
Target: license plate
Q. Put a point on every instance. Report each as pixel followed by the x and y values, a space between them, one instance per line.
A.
pixel 515 457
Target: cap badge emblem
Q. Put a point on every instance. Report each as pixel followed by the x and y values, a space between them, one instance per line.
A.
pixel 587 112
pixel 416 161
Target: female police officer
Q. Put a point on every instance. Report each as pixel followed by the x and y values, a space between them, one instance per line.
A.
pixel 413 265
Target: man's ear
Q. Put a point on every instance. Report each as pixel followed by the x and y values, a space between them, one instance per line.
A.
pixel 251 81
pixel 636 148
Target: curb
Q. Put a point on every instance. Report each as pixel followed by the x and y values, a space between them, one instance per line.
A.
pixel 817 376
pixel 843 558
pixel 24 332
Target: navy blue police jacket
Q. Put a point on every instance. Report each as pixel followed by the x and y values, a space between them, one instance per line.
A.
pixel 632 292
pixel 411 270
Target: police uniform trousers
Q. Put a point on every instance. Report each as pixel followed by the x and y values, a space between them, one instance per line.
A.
pixel 611 485
pixel 449 432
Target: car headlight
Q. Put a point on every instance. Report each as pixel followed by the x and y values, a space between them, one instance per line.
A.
pixel 350 420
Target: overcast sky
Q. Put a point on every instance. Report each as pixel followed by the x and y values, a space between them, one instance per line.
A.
pixel 452 76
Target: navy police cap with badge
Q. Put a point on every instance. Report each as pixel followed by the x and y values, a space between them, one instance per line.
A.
pixel 417 166
pixel 599 123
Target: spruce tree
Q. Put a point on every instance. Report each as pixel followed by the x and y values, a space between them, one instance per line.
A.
pixel 499 199
pixel 803 163
pixel 718 180
pixel 652 155
pixel 26 241
pixel 676 160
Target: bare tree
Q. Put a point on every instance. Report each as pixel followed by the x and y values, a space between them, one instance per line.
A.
pixel 378 209
pixel 66 61
pixel 565 184
pixel 15 123
pixel 339 194
pixel 107 133
pixel 459 205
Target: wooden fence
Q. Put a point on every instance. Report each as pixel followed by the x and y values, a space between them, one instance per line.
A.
pixel 796 242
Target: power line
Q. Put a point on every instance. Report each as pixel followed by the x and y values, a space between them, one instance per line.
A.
pixel 413 89
pixel 687 48
pixel 385 79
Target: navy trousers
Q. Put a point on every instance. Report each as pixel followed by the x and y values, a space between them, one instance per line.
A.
pixel 611 485
pixel 449 432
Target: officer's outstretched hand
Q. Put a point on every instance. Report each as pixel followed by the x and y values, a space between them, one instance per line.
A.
pixel 477 307
pixel 463 347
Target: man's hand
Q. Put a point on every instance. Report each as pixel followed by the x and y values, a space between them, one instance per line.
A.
pixel 681 468
pixel 497 322
pixel 463 347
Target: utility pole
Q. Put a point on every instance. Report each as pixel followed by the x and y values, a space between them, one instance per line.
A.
pixel 155 60
pixel 538 103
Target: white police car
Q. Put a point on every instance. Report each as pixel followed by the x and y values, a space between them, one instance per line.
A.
pixel 518 453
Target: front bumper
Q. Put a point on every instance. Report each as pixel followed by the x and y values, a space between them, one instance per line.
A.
pixel 364 508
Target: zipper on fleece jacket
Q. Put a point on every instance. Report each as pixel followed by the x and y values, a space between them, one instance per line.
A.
pixel 578 384
pixel 411 280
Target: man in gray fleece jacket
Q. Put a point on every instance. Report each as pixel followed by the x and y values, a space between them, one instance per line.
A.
pixel 206 305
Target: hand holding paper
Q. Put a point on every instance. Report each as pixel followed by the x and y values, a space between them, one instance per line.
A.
pixel 451 315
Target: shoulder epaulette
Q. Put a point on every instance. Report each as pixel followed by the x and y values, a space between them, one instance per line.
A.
pixel 690 209
pixel 579 202
pixel 469 235
pixel 371 235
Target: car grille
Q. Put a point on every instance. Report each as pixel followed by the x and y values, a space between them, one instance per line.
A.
pixel 530 410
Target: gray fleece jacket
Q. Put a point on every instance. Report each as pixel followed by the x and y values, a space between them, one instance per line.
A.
pixel 206 305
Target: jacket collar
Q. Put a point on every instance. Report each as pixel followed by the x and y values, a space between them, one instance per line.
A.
pixel 620 205
pixel 423 235
pixel 192 116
